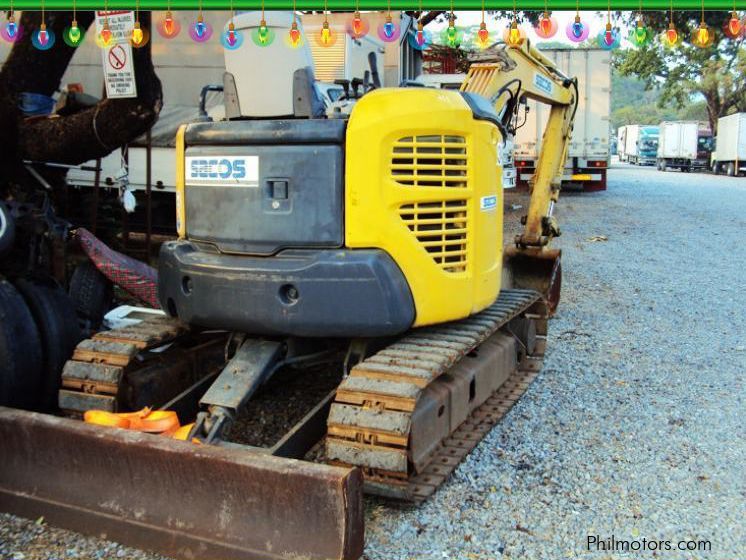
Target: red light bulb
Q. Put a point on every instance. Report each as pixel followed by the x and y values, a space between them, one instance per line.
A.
pixel 420 37
pixel 43 35
pixel 734 25
pixel 546 24
pixel 168 24
pixel 357 24
pixel 483 34
pixel 294 34
pixel 608 35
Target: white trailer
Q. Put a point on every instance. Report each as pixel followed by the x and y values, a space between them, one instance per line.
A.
pixel 621 143
pixel 730 152
pixel 589 150
pixel 680 147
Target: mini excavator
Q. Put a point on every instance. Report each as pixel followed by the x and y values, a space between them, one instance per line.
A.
pixel 376 230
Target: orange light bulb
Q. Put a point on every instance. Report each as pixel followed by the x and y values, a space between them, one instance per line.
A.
pixel 106 33
pixel 671 34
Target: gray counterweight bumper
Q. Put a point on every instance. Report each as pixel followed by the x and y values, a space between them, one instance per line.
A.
pixel 310 293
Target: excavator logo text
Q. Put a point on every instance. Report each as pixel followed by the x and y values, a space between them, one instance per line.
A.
pixel 242 170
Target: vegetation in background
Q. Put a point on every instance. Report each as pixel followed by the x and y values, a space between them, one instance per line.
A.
pixel 686 75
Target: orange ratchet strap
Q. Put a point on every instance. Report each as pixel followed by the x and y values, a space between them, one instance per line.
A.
pixel 163 422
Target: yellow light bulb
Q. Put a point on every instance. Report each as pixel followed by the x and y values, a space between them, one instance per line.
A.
pixel 326 34
pixel 514 36
pixel 703 34
pixel 137 34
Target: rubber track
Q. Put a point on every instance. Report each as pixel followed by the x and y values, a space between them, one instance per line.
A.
pixel 91 378
pixel 390 382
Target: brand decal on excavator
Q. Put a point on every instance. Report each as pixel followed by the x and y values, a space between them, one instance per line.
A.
pixel 543 83
pixel 223 170
pixel 487 203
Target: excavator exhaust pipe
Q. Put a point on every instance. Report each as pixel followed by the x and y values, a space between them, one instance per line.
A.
pixel 180 499
pixel 537 269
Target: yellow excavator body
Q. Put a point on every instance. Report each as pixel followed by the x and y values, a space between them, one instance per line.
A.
pixel 422 183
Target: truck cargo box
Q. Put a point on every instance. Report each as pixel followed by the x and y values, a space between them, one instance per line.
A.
pixel 588 153
pixel 730 151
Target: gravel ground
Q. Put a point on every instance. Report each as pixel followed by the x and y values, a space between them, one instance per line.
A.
pixel 634 429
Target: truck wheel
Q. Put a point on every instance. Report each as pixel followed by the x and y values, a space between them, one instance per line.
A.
pixel 7 229
pixel 91 293
pixel 54 314
pixel 731 169
pixel 20 351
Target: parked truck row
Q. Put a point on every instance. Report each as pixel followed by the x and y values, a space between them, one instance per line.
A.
pixel 686 145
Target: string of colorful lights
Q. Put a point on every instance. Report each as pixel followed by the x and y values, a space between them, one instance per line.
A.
pixel 358 26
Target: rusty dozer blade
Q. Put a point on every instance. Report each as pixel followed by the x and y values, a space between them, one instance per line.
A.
pixel 179 499
pixel 535 268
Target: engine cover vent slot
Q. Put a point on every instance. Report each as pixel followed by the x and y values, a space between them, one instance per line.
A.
pixel 442 229
pixel 430 161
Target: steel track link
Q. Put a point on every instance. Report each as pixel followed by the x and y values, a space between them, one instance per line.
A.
pixel 92 378
pixel 372 420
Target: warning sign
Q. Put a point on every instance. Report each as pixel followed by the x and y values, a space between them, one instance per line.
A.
pixel 119 73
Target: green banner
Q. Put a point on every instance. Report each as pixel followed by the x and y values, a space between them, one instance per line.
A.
pixel 349 5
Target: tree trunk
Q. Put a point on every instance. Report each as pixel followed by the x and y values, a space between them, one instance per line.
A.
pixel 82 136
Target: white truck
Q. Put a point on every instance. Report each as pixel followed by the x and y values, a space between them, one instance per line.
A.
pixel 729 156
pixel 684 145
pixel 640 144
pixel 589 150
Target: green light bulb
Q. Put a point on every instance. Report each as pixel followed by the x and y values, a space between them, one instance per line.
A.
pixel 263 31
pixel 452 36
pixel 74 33
pixel 641 33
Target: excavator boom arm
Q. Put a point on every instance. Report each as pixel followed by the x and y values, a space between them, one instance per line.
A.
pixel 526 72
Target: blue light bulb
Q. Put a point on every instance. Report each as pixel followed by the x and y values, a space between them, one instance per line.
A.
pixel 200 28
pixel 11 29
pixel 388 29
pixel 577 29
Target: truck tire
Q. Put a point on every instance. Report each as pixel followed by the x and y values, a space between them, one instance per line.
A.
pixel 731 169
pixel 7 229
pixel 54 314
pixel 91 293
pixel 20 351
